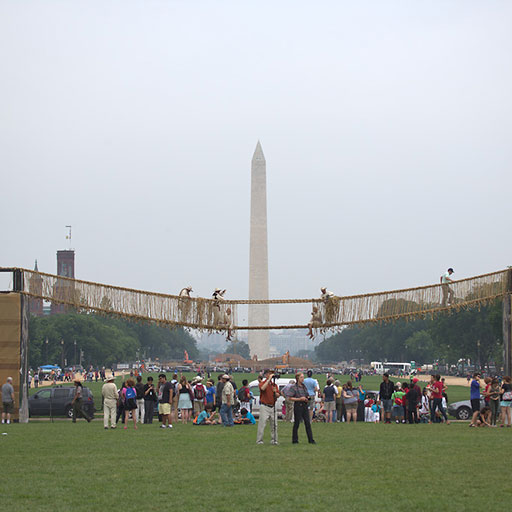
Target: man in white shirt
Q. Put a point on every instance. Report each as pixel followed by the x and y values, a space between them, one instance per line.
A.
pixel 447 291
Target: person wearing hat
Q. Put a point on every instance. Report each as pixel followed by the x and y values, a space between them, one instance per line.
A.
pixel 326 294
pixel 109 394
pixel 77 402
pixel 226 408
pixel 185 292
pixel 199 391
pixel 398 403
pixel 447 291
pixel 218 294
pixel 218 298
pixel 184 303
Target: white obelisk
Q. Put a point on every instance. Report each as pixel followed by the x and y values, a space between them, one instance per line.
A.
pixel 258 257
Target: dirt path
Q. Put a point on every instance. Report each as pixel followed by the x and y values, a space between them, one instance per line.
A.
pixel 451 381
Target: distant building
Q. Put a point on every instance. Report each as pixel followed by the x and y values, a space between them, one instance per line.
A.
pixel 36 286
pixel 64 288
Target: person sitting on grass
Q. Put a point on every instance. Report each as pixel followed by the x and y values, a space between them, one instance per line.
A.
pixel 206 417
pixel 484 417
pixel 319 414
pixel 246 418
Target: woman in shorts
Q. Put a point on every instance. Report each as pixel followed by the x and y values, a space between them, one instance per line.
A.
pixel 130 403
pixel 329 396
pixel 185 401
pixel 350 399
pixel 506 401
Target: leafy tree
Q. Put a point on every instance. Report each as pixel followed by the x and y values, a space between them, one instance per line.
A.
pixel 240 347
pixel 103 339
pixel 474 333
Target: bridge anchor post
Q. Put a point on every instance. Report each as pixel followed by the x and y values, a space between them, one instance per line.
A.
pixel 507 325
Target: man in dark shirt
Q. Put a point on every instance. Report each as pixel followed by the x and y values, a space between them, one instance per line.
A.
pixel 387 388
pixel 218 393
pixel 149 400
pixel 412 398
pixel 139 389
pixel 300 396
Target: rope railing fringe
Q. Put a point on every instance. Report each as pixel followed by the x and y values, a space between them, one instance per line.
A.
pixel 211 315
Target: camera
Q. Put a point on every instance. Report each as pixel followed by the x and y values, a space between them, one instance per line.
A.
pixel 277 375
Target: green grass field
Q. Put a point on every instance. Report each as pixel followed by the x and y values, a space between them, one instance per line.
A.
pixel 64 466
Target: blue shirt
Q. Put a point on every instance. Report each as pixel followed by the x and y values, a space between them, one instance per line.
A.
pixel 475 389
pixel 249 416
pixel 202 417
pixel 311 384
pixel 210 395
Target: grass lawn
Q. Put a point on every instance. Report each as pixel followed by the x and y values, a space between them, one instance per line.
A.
pixel 65 466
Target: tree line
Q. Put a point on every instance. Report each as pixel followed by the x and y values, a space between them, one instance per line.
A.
pixel 475 334
pixel 103 340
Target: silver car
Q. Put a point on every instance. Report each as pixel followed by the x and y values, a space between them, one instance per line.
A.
pixel 462 410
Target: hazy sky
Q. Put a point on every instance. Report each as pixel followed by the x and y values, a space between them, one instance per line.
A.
pixel 386 126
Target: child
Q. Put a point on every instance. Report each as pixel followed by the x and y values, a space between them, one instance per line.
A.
pixel 424 407
pixel 398 407
pixel 376 410
pixel 319 414
pixel 246 418
pixel 206 417
pixel 368 412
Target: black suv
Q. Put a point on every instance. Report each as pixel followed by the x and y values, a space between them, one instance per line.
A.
pixel 56 401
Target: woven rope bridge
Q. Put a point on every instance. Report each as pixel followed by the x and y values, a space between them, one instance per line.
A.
pixel 210 315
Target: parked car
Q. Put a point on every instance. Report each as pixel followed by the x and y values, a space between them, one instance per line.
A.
pixel 56 401
pixel 462 410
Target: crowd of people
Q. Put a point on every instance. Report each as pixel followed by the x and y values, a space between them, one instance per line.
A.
pixel 497 395
pixel 210 403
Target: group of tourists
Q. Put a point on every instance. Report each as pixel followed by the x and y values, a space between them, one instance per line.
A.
pixel 497 396
pixel 176 399
pixel 406 402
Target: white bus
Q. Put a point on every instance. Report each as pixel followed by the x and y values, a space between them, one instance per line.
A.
pixel 393 368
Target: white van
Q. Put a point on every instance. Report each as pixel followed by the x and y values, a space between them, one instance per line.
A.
pixel 255 391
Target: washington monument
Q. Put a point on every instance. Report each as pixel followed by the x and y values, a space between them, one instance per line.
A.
pixel 258 255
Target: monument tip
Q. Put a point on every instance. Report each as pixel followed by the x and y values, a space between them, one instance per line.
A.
pixel 258 152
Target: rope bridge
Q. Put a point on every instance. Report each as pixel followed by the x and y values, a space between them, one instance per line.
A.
pixel 214 315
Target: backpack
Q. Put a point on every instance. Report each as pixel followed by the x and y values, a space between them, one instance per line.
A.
pixel 244 395
pixel 130 393
pixel 398 401
pixel 199 392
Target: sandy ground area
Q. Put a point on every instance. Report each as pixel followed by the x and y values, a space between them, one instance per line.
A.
pixel 50 382
pixel 450 381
